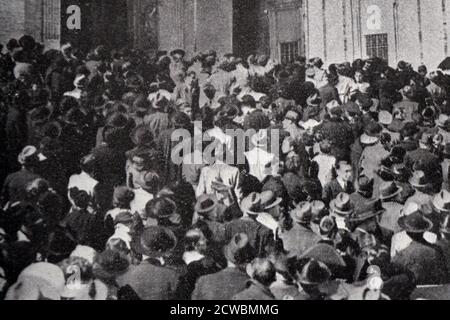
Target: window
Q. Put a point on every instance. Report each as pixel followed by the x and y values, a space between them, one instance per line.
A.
pixel 289 50
pixel 377 46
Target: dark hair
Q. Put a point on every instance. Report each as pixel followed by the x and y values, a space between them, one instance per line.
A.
pixel 341 162
pixel 160 207
pixel 263 271
pixel 192 238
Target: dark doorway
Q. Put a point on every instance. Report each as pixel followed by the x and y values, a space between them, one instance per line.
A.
pixel 102 22
pixel 245 27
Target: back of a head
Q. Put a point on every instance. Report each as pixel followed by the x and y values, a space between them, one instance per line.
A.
pixel 263 271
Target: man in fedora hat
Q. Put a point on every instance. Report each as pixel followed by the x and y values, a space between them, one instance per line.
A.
pixel 200 260
pixel 210 218
pixel 340 208
pixel 364 191
pixel 389 194
pixel 261 237
pixel 364 220
pixel 342 183
pixel 263 273
pixel 300 237
pixel 310 278
pixel 423 154
pixel 153 278
pixel 224 284
pixel 425 260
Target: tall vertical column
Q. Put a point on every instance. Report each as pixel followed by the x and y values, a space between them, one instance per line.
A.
pixel 419 19
pixel 324 26
pixel 51 23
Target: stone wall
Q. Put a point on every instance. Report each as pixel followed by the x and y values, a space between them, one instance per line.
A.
pixel 417 30
pixel 12 19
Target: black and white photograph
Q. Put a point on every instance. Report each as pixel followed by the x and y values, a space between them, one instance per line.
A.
pixel 224 150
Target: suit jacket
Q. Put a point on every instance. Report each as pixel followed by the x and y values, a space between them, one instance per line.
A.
pixel 222 285
pixel 195 270
pixel 332 190
pixel 260 237
pixel 255 291
pixel 298 239
pixel 152 281
pixel 425 261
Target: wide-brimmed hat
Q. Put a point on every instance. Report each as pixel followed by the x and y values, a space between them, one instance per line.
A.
pixel 239 250
pixel 205 203
pixel 314 273
pixel 419 180
pixel 110 264
pixel 389 190
pixel 342 205
pixel 40 280
pixel 366 211
pixel 441 202
pixel 181 52
pixel 151 179
pixel 371 134
pixel 324 253
pixel 156 241
pixel 365 185
pixel 412 220
pixel 385 118
pixel 269 199
pixel 302 213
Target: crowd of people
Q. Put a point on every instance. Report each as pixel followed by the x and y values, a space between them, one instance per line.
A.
pixel 354 205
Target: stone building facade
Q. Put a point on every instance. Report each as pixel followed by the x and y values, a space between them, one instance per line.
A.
pixel 336 30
